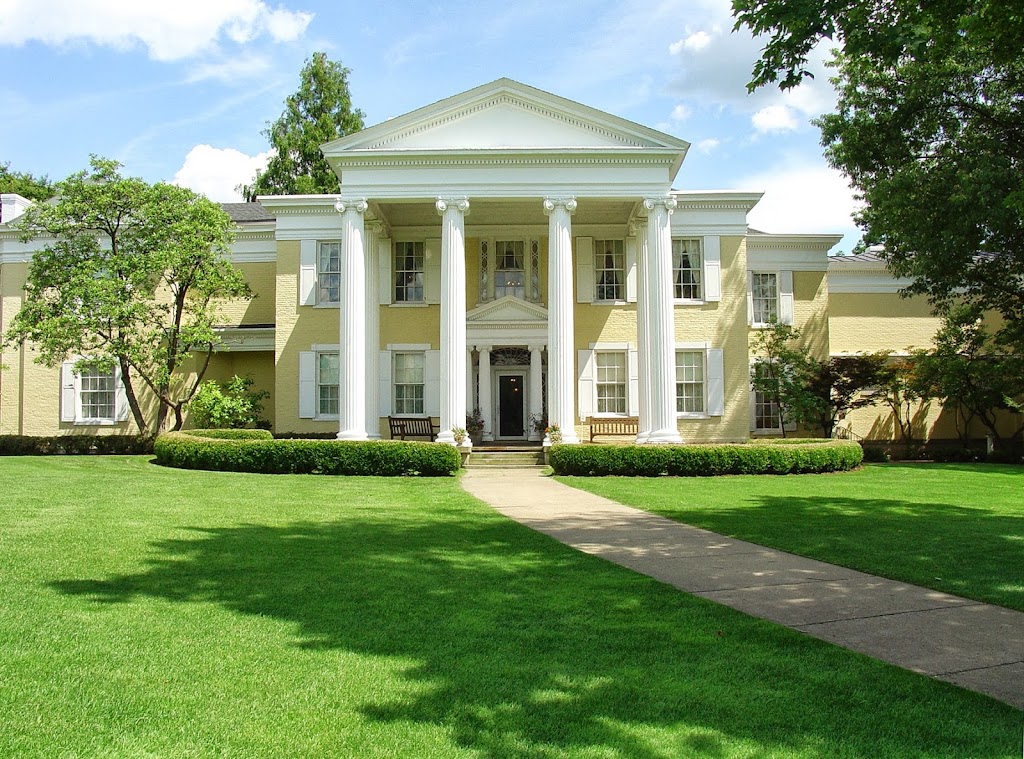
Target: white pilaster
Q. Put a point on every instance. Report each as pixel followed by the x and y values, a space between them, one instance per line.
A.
pixel 536 390
pixel 372 311
pixel 661 354
pixel 486 406
pixel 561 333
pixel 352 358
pixel 453 316
pixel 639 229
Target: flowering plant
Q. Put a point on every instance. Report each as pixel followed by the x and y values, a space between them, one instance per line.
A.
pixel 553 433
pixel 459 434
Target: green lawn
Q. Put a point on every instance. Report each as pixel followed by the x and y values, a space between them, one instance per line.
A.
pixel 952 527
pixel 155 612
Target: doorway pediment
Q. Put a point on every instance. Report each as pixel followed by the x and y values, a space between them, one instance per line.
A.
pixel 507 310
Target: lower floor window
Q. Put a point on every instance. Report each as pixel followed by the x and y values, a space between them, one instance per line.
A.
pixel 611 382
pixel 766 410
pixel 690 382
pixel 409 382
pixel 97 395
pixel 328 384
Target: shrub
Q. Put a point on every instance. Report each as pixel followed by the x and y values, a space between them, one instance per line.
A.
pixel 27 445
pixel 390 458
pixel 232 434
pixel 229 405
pixel 794 457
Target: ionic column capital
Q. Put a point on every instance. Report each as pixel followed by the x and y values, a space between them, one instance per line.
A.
pixel 663 201
pixel 459 204
pixel 568 204
pixel 359 205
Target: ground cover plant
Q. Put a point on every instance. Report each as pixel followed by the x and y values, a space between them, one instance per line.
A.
pixel 158 612
pixel 958 528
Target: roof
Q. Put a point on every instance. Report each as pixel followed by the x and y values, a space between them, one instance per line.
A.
pixel 246 212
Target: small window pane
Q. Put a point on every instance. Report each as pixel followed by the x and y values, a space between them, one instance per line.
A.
pixel 609 269
pixel 690 382
pixel 328 383
pixel 766 411
pixel 510 271
pixel 97 394
pixel 687 273
pixel 329 273
pixel 766 298
pixel 611 382
pixel 409 382
pixel 409 272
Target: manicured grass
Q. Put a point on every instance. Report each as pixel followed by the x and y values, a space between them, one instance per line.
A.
pixel 952 527
pixel 159 612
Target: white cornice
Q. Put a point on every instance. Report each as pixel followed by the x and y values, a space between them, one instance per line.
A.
pixel 244 340
pixel 865 282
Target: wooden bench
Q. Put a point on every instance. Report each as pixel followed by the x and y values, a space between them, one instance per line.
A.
pixel 412 426
pixel 613 425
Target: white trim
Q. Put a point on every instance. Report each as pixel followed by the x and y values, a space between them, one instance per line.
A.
pixel 585 270
pixel 693 347
pixel 712 263
pixel 408 347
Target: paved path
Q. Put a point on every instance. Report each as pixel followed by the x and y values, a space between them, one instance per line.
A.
pixel 975 645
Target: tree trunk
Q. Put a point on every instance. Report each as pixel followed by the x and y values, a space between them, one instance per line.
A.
pixel 133 401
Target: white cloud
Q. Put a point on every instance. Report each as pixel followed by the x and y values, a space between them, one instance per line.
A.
pixel 708 145
pixel 695 42
pixel 168 31
pixel 802 199
pixel 231 69
pixel 216 172
pixel 681 112
pixel 774 118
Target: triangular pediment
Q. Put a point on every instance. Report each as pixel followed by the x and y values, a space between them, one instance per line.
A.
pixel 504 115
pixel 506 310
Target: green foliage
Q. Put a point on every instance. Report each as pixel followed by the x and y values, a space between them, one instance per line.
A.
pixel 801 457
pixel 780 372
pixel 24 184
pixel 132 279
pixel 231 434
pixel 74 445
pixel 376 458
pixel 838 386
pixel 232 404
pixel 900 388
pixel 929 128
pixel 319 112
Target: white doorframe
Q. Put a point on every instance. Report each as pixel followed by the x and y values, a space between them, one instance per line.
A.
pixel 523 373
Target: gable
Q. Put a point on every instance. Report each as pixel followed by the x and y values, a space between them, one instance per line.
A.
pixel 505 310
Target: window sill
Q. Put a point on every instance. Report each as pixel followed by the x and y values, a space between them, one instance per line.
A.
pixel 688 302
pixel 409 304
pixel 685 416
pixel 326 418
pixel 95 422
pixel 327 305
pixel 766 433
pixel 610 302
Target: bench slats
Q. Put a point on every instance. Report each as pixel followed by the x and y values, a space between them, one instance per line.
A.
pixel 613 425
pixel 411 426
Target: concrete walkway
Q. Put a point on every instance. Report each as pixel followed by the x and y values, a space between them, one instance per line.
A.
pixel 971 644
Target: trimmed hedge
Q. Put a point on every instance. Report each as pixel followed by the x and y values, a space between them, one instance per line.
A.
pixel 232 434
pixel 384 458
pixel 705 460
pixel 75 445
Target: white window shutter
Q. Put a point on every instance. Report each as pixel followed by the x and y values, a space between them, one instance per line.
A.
pixel 752 398
pixel 712 268
pixel 432 270
pixel 385 255
pixel 120 398
pixel 585 387
pixel 385 394
pixel 633 389
pixel 631 270
pixel 67 392
pixel 716 382
pixel 750 297
pixel 307 272
pixel 786 297
pixel 432 384
pixel 584 270
pixel 307 384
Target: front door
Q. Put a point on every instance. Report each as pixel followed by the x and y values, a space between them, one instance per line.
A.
pixel 511 405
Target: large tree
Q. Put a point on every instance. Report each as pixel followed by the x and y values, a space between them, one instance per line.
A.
pixel 929 128
pixel 25 184
pixel 130 278
pixel 320 111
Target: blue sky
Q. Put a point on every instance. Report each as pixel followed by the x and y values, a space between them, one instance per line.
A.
pixel 181 91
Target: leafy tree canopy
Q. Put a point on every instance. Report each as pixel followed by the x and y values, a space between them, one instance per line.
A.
pixel 320 111
pixel 129 277
pixel 24 184
pixel 929 128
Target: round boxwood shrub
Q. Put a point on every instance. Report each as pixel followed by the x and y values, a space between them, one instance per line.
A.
pixel 257 451
pixel 793 457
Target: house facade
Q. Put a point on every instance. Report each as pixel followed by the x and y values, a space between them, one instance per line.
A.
pixel 512 253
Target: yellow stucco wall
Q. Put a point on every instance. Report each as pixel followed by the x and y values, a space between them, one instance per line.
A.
pixel 869 322
pixel 260 309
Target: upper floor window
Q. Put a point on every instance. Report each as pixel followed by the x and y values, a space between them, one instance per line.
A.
pixel 409 381
pixel 765 298
pixel 510 269
pixel 690 382
pixel 328 273
pixel 409 272
pixel 610 269
pixel 687 269
pixel 610 382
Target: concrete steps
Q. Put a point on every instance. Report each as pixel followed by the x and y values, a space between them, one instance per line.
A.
pixel 506 457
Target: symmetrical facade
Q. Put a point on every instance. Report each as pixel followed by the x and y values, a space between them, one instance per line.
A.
pixel 508 252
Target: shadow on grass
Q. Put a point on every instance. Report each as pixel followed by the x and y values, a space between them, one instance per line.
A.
pixel 532 650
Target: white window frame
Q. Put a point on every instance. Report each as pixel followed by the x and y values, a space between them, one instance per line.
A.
pixel 72 392
pixel 322 274
pixel 702 352
pixel 624 355
pixel 318 385
pixel 699 269
pixel 755 403
pixel 400 256
pixel 617 249
pixel 395 384
pixel 784 298
pixel 713 380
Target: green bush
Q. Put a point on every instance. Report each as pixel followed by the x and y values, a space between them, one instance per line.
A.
pixel 76 445
pixel 384 458
pixel 232 434
pixel 229 405
pixel 802 457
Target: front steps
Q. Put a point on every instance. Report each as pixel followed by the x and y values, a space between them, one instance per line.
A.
pixel 506 457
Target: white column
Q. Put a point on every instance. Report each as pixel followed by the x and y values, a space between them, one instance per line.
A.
pixel 486 406
pixel 661 338
pixel 469 381
pixel 352 405
pixel 561 333
pixel 373 230
pixel 536 390
pixel 453 316
pixel 639 229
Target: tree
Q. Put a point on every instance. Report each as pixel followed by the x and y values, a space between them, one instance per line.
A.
pixel 131 279
pixel 903 391
pixel 838 386
pixel 320 111
pixel 24 184
pixel 779 372
pixel 929 128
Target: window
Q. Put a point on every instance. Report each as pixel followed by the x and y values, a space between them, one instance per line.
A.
pixel 510 269
pixel 96 395
pixel 766 410
pixel 764 298
pixel 408 383
pixel 690 382
pixel 328 274
pixel 686 269
pixel 611 382
pixel 328 384
pixel 409 272
pixel 609 269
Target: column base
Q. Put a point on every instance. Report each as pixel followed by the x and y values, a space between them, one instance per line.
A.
pixel 446 437
pixel 664 437
pixel 353 435
pixel 643 437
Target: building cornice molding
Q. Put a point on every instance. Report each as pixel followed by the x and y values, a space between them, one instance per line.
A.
pixel 862 281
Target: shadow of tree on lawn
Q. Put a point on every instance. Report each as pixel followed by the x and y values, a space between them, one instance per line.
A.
pixel 533 650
